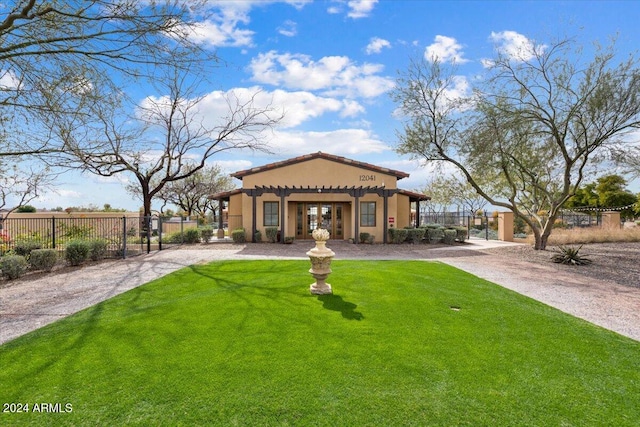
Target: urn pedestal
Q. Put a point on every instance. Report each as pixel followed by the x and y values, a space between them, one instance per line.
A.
pixel 320 257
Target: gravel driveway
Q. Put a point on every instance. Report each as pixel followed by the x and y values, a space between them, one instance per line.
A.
pixel 30 303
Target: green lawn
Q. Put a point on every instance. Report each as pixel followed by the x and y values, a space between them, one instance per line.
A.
pixel 244 343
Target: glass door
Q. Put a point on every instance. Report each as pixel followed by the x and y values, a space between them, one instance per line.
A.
pixel 310 216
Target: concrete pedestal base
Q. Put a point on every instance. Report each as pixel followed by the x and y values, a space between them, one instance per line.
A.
pixel 320 289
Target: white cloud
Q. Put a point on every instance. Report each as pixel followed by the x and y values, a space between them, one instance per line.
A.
pixel 376 44
pixel 355 8
pixel 445 49
pixel 288 28
pixel 8 80
pixel 341 142
pixel 335 75
pixel 514 46
pixel 224 27
pixel 360 8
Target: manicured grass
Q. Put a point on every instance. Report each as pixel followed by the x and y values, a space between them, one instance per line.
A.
pixel 244 343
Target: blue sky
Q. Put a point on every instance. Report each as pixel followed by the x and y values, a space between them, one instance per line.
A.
pixel 330 65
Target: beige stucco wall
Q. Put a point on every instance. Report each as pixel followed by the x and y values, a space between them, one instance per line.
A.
pixel 318 173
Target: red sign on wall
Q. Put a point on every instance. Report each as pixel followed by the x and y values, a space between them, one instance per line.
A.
pixel 391 220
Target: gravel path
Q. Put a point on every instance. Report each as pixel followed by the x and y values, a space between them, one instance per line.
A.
pixel 32 302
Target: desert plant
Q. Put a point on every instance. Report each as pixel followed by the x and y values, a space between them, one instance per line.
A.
pixel 238 235
pixel 289 239
pixel 450 236
pixel 206 233
pixel 258 236
pixel 570 255
pixel 77 252
pixel 43 259
pixel 364 237
pixel 192 235
pixel 24 248
pixel 13 266
pixel 272 234
pixel 415 235
pixel 461 234
pixel 97 249
pixel 435 235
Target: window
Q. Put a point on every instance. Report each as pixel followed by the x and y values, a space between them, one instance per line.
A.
pixel 367 214
pixel 271 214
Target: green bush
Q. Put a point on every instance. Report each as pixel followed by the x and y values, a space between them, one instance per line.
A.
pixel 258 236
pixel 398 235
pixel 461 234
pixel 13 266
pixel 364 237
pixel 177 237
pixel 415 235
pixel 192 235
pixel 43 259
pixel 206 234
pixel 450 236
pixel 77 252
pixel 272 234
pixel 97 249
pixel 24 248
pixel 435 235
pixel 238 235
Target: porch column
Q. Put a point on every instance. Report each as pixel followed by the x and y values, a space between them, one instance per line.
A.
pixel 356 227
pixel 254 212
pixel 385 210
pixel 282 218
pixel 220 221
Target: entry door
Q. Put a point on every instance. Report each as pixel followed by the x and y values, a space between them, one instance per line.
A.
pixel 310 216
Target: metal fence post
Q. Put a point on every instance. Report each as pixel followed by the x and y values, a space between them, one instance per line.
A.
pixel 124 237
pixel 53 232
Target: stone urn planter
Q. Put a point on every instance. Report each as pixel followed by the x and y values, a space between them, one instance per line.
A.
pixel 320 257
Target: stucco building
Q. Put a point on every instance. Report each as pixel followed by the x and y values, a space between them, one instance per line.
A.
pixel 321 190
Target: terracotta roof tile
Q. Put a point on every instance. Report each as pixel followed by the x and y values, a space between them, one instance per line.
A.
pixel 319 155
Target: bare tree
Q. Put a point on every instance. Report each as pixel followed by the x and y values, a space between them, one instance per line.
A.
pixel 447 191
pixel 58 57
pixel 170 140
pixel 19 186
pixel 525 140
pixel 191 194
pixel 54 53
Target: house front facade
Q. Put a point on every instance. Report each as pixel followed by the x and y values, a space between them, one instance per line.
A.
pixel 320 190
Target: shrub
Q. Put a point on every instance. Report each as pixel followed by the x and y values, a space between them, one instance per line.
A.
pixel 206 234
pixel 24 248
pixel 570 255
pixel 435 235
pixel 398 235
pixel 13 266
pixel 192 235
pixel 461 234
pixel 238 235
pixel 272 234
pixel 289 239
pixel 43 259
pixel 77 252
pixel 450 236
pixel 177 237
pixel 258 236
pixel 97 249
pixel 364 237
pixel 415 235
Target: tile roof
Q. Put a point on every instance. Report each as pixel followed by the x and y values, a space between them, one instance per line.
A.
pixel 319 155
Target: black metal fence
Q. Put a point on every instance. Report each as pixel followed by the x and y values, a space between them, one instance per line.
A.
pixel 122 234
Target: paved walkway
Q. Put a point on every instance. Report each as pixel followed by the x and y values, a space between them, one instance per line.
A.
pixel 26 305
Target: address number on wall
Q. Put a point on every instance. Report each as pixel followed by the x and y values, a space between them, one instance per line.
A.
pixel 367 178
